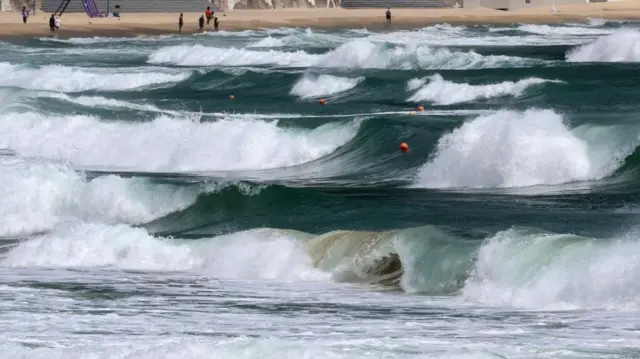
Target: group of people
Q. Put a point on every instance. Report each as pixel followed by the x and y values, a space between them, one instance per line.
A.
pixel 54 21
pixel 208 14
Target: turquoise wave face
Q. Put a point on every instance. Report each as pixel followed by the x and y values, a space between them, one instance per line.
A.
pixel 527 133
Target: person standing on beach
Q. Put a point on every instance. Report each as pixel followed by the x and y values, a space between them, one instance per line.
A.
pixel 25 14
pixel 201 22
pixel 216 23
pixel 388 16
pixel 52 24
pixel 180 23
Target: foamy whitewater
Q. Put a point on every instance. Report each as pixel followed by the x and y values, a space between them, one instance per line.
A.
pixel 192 196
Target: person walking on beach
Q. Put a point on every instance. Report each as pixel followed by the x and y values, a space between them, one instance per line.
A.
pixel 201 22
pixel 209 14
pixel 388 16
pixel 180 23
pixel 25 14
pixel 52 24
pixel 57 22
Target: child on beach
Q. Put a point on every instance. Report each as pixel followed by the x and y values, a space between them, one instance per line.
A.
pixel 388 16
pixel 201 22
pixel 216 23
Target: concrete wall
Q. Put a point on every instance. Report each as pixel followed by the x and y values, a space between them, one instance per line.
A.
pixel 132 6
pixel 519 4
pixel 279 4
pixel 177 6
pixel 470 4
pixel 396 4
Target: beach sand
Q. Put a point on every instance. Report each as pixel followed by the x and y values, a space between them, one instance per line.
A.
pixel 134 24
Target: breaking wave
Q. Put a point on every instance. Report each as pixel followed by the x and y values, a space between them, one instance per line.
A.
pixel 520 267
pixel 76 79
pixel 620 46
pixel 170 144
pixel 517 149
pixel 37 196
pixel 310 86
pixel 359 53
pixel 441 92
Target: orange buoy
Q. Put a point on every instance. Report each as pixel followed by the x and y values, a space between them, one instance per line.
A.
pixel 322 101
pixel 231 97
pixel 420 108
pixel 404 147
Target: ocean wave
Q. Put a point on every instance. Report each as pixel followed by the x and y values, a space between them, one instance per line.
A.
pixel 441 92
pixel 106 39
pixel 621 46
pixel 575 30
pixel 38 195
pixel 104 102
pixel 259 254
pixel 168 143
pixel 517 149
pixel 535 269
pixel 519 267
pixel 299 39
pixel 310 86
pixel 486 36
pixel 76 79
pixel 358 53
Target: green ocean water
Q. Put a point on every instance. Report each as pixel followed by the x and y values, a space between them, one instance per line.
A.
pixel 136 191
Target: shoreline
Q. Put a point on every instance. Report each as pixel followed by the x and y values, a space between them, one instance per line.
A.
pixel 155 24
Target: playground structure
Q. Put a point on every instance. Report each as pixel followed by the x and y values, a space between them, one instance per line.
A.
pixel 90 8
pixel 104 8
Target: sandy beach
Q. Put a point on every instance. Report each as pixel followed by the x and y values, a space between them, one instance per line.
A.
pixel 134 24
